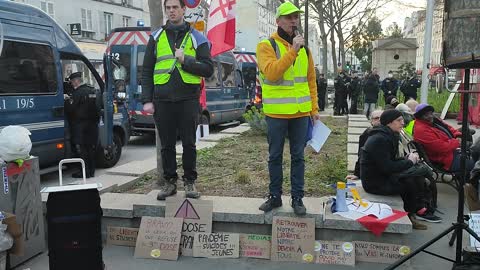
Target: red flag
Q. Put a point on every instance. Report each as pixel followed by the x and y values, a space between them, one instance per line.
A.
pixel 221 26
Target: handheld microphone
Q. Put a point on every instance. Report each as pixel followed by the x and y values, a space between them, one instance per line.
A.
pixel 296 32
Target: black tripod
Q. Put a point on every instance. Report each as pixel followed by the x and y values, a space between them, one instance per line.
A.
pixel 460 225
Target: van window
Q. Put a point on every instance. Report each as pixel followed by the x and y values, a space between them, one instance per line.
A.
pixel 140 56
pixel 213 81
pixel 72 66
pixel 228 75
pixel 122 54
pixel 27 69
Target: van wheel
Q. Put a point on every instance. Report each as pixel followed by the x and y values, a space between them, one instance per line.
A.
pixel 204 119
pixel 107 158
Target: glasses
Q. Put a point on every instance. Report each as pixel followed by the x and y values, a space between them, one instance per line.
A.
pixel 376 118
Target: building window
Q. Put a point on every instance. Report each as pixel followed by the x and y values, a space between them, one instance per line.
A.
pixel 47 7
pixel 108 22
pixel 86 19
pixel 126 21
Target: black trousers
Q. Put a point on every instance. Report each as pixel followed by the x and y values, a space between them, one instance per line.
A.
pixel 172 118
pixel 353 107
pixel 321 99
pixel 85 138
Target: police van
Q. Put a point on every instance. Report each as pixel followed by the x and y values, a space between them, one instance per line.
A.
pixel 36 55
pixel 224 99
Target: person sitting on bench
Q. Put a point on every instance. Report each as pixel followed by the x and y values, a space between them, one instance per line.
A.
pixel 382 172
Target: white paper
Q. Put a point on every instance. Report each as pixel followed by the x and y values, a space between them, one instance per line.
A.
pixel 474 224
pixel 205 129
pixel 356 211
pixel 319 135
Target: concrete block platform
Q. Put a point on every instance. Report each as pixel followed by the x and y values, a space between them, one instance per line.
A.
pixel 355 130
pixel 351 160
pixel 236 130
pixel 353 138
pixel 200 145
pixel 360 124
pixel 217 137
pixel 241 215
pixel 352 148
pixel 135 168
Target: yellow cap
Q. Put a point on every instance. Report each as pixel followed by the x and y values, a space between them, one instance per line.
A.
pixel 341 185
pixel 287 8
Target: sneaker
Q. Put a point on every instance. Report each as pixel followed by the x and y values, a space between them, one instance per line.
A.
pixel 271 203
pixel 298 207
pixel 168 189
pixel 190 190
pixel 415 224
pixel 429 217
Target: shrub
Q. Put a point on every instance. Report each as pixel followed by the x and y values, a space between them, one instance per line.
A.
pixel 256 119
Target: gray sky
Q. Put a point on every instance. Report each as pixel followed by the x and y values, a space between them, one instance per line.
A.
pixel 397 10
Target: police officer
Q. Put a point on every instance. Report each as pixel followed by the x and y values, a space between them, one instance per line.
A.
pixel 355 91
pixel 341 92
pixel 172 95
pixel 389 85
pixel 409 87
pixel 83 115
pixel 321 91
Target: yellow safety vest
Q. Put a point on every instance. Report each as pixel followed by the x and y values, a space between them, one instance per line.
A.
pixel 165 59
pixel 409 128
pixel 290 94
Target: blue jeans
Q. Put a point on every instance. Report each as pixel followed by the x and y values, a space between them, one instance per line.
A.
pixel 297 133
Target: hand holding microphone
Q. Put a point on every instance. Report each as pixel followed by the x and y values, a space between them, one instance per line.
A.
pixel 298 41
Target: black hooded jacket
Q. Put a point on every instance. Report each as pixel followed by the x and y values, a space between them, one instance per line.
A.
pixel 378 161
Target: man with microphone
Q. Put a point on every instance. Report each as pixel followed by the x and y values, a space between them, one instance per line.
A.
pixel 289 100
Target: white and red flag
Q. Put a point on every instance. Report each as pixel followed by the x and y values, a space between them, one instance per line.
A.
pixel 221 26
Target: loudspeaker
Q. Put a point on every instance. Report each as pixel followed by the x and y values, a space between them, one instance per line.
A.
pixel 461 35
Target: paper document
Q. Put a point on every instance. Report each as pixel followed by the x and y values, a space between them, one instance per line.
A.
pixel 356 211
pixel 319 135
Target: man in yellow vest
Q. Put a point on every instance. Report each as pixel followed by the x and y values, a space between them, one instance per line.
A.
pixel 289 102
pixel 172 95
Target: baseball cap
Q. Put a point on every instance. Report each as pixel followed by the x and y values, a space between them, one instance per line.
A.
pixel 287 8
pixel 75 75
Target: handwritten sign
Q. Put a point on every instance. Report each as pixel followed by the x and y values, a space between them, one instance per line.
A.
pixel 255 246
pixel 379 252
pixel 121 236
pixel 197 218
pixel 216 245
pixel 293 239
pixel 474 224
pixel 159 238
pixel 335 252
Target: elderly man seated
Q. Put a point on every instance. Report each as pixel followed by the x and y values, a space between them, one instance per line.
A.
pixel 375 121
pixel 382 172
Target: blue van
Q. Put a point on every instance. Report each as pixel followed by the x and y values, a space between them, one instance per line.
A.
pixel 225 98
pixel 36 55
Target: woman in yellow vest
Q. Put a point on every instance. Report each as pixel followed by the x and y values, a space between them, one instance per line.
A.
pixel 289 102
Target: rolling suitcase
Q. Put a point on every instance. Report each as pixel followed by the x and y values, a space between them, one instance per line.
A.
pixel 74 225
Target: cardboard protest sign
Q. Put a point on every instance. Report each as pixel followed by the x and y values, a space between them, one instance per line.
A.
pixel 335 252
pixel 293 239
pixel 197 218
pixel 255 246
pixel 216 245
pixel 379 252
pixel 159 238
pixel 474 224
pixel 121 236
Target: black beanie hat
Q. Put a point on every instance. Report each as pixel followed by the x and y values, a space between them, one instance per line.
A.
pixel 389 116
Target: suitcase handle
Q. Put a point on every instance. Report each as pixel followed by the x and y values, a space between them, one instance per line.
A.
pixel 71 160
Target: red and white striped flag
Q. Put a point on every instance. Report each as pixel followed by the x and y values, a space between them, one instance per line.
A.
pixel 221 26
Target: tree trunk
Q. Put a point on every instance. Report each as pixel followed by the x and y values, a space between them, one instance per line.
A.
pixel 332 38
pixel 341 44
pixel 323 37
pixel 156 20
pixel 156 13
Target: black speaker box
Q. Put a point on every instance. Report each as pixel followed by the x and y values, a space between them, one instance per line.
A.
pixel 461 36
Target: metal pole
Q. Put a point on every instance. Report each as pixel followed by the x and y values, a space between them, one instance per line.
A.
pixel 306 23
pixel 427 49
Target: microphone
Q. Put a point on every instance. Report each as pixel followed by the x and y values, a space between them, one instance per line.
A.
pixel 296 32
